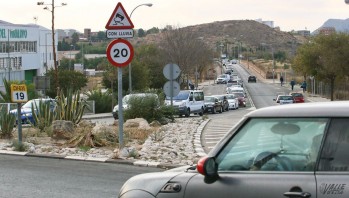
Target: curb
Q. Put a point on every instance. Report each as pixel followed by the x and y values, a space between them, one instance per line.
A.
pixel 196 142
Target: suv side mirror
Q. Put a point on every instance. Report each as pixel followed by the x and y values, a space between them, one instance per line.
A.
pixel 190 98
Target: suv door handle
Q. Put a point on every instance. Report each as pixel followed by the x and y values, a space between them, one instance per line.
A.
pixel 297 194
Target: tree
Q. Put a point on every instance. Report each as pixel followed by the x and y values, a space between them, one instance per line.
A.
pixel 141 33
pixel 153 30
pixel 325 57
pixel 74 38
pixel 68 79
pixel 184 47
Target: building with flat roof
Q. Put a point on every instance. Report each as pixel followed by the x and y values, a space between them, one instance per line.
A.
pixel 25 51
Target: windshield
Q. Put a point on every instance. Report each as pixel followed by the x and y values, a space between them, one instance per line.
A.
pixel 183 95
pixel 209 99
pixel 277 137
pixel 231 96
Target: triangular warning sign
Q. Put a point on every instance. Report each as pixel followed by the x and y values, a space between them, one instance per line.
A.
pixel 119 19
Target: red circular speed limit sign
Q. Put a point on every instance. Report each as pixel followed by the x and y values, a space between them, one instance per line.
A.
pixel 120 52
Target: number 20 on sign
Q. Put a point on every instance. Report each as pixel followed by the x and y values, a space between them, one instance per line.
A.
pixel 19 93
pixel 120 52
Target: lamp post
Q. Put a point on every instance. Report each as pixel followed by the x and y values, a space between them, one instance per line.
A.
pixel 71 47
pixel 8 53
pixel 221 46
pixel 52 10
pixel 46 66
pixel 129 66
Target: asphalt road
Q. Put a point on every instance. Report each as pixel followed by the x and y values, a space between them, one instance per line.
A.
pixel 45 177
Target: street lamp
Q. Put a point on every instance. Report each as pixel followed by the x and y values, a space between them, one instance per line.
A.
pixel 71 47
pixel 221 45
pixel 52 10
pixel 46 66
pixel 129 66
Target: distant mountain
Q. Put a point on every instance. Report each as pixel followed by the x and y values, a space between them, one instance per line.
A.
pixel 341 25
pixel 247 33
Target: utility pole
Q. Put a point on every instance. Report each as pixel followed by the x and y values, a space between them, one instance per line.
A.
pixel 53 39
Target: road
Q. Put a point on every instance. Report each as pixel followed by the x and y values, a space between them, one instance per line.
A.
pixel 46 177
pixel 260 95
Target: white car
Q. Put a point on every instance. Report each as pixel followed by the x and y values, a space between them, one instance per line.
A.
pixel 223 79
pixel 235 89
pixel 284 99
pixel 233 101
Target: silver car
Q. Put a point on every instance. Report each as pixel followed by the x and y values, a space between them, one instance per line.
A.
pixel 279 151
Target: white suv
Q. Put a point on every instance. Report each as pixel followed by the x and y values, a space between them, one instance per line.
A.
pixel 223 79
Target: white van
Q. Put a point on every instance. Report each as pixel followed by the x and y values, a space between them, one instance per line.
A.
pixel 187 102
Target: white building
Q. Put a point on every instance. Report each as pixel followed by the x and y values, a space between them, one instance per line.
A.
pixel 30 51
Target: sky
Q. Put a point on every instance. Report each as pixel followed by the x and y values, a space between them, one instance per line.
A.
pixel 94 14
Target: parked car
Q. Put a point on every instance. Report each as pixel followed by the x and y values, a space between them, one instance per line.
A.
pixel 233 101
pixel 235 89
pixel 252 79
pixel 284 99
pixel 224 100
pixel 298 97
pixel 223 79
pixel 299 153
pixel 26 109
pixel 241 97
pixel 187 102
pixel 213 105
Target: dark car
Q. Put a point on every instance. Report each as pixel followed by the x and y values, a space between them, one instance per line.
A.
pixel 26 109
pixel 213 105
pixel 298 97
pixel 279 151
pixel 241 97
pixel 252 79
pixel 224 100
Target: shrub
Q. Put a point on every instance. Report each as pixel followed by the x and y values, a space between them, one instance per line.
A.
pixel 146 107
pixel 102 100
pixel 7 123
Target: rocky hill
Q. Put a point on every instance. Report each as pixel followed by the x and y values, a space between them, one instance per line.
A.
pixel 250 33
pixel 341 25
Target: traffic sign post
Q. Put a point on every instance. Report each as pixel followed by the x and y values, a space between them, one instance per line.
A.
pixel 18 95
pixel 171 88
pixel 120 52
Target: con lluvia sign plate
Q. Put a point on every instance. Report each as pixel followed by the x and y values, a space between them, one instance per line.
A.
pixel 19 93
pixel 112 34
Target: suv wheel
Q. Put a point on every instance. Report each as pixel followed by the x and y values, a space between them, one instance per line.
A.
pixel 201 113
pixel 187 114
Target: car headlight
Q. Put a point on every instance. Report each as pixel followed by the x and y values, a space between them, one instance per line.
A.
pixel 182 104
pixel 27 114
pixel 116 108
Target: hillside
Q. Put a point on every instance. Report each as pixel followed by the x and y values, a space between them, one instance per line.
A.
pixel 250 33
pixel 341 25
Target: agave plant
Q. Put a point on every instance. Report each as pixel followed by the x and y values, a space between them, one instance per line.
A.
pixel 43 115
pixel 7 123
pixel 70 107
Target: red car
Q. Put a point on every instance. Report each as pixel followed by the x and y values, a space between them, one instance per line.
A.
pixel 298 97
pixel 241 98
